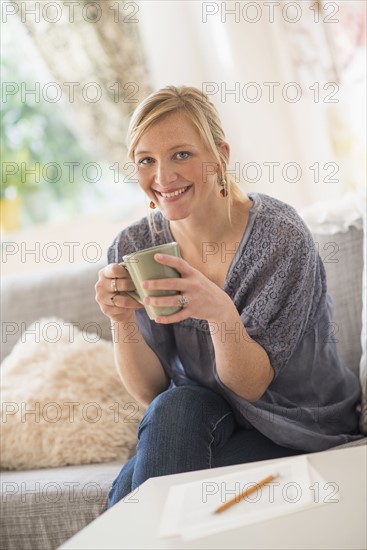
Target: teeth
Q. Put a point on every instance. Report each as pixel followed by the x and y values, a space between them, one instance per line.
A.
pixel 174 194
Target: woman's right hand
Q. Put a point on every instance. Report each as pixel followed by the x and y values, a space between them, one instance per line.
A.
pixel 123 306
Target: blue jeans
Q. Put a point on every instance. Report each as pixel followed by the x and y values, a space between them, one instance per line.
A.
pixel 190 428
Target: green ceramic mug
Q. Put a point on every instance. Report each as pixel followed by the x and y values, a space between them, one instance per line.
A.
pixel 142 266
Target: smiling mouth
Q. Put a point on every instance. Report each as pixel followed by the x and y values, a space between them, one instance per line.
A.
pixel 173 193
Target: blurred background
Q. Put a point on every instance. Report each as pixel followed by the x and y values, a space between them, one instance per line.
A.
pixel 288 79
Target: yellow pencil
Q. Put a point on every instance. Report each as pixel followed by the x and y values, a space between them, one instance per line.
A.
pixel 244 494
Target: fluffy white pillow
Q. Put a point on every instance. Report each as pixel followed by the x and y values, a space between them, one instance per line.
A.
pixel 336 214
pixel 63 401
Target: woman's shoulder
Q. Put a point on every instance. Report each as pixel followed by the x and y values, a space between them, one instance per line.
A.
pixel 277 219
pixel 140 234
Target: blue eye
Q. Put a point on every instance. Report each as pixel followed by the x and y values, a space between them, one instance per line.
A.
pixel 146 160
pixel 183 155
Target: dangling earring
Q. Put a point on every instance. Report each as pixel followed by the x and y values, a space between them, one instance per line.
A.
pixel 152 205
pixel 224 190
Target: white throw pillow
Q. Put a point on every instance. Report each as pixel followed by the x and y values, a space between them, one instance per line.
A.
pixel 63 401
pixel 335 215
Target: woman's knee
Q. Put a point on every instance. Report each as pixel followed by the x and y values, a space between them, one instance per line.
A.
pixel 186 405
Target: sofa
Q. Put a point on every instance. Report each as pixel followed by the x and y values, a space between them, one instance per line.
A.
pixel 35 514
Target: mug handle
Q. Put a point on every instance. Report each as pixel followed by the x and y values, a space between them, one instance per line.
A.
pixel 132 293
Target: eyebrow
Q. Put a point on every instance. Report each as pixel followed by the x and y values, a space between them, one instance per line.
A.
pixel 170 149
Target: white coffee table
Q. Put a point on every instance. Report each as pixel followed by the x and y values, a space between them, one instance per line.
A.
pixel 334 526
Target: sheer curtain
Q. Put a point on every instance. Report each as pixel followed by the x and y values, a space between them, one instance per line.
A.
pixel 326 48
pixel 94 54
pixel 107 54
pixel 236 50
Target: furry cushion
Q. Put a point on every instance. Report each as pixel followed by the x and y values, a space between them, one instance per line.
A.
pixel 63 401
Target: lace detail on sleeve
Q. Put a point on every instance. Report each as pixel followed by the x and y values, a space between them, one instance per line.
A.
pixel 279 284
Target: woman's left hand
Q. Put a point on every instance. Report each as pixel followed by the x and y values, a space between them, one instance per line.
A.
pixel 205 300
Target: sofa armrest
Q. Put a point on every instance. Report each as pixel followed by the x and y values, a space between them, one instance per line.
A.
pixel 67 293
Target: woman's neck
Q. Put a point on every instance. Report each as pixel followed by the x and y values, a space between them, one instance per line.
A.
pixel 212 227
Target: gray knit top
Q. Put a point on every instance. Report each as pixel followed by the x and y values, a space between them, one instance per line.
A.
pixel 277 282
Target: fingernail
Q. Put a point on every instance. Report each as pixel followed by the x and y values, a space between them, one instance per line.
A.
pixel 159 256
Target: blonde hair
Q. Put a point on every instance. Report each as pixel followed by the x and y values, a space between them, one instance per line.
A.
pixel 200 111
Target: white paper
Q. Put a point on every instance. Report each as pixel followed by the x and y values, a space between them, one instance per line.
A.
pixel 189 508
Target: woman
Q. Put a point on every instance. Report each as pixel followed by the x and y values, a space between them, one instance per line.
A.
pixel 245 370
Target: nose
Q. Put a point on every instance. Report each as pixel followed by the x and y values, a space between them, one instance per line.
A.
pixel 164 174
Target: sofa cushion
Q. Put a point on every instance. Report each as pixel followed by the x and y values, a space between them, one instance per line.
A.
pixel 67 293
pixel 41 509
pixel 342 255
pixel 339 228
pixel 63 402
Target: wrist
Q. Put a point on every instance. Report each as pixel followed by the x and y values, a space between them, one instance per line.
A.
pixel 224 311
pixel 127 316
pixel 123 326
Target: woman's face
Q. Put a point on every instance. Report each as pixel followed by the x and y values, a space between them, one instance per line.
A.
pixel 175 169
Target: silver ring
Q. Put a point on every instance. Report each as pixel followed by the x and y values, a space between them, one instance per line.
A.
pixel 183 301
pixel 114 285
